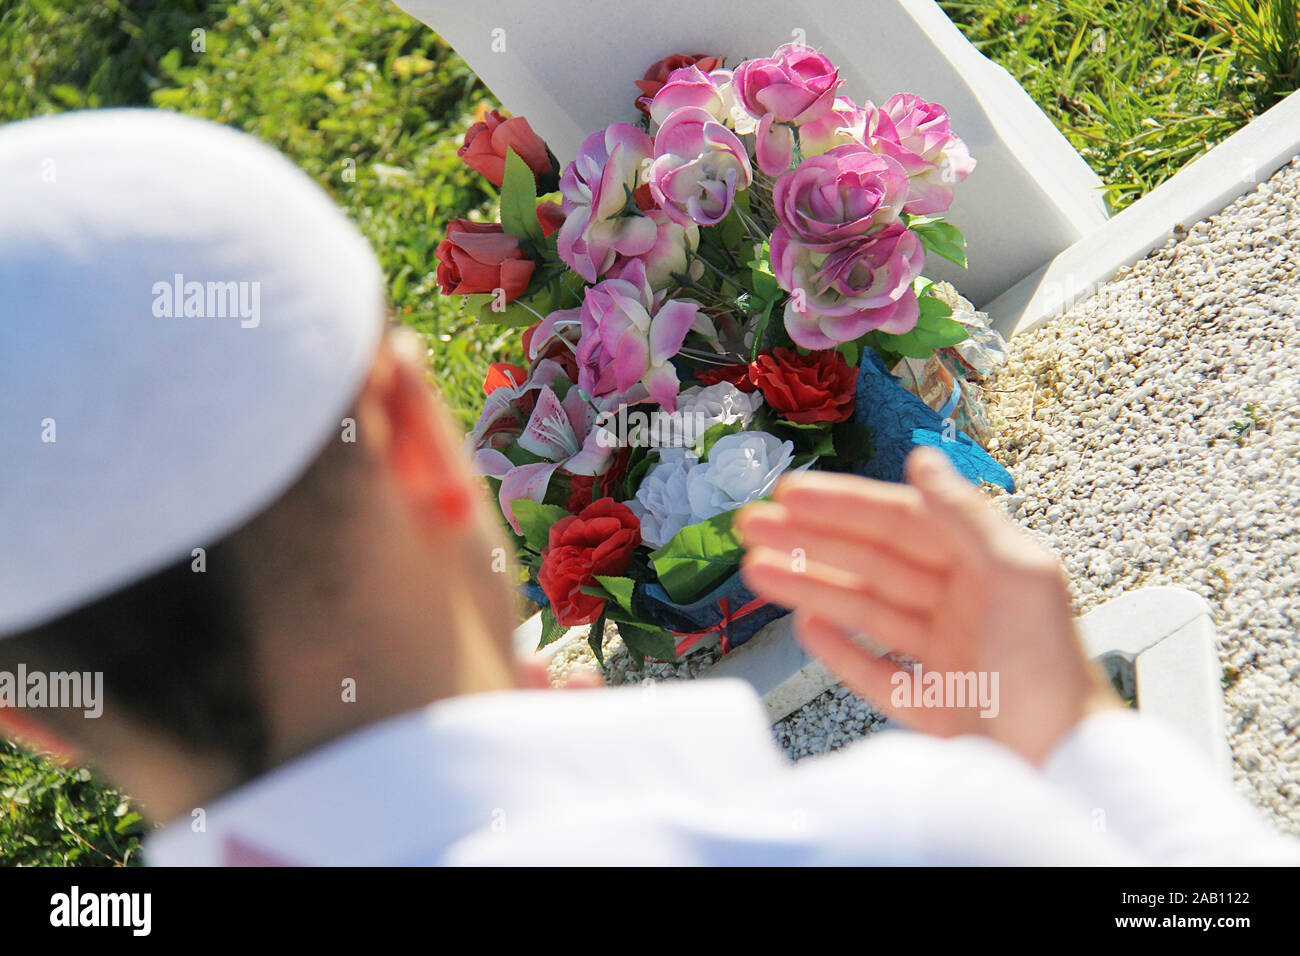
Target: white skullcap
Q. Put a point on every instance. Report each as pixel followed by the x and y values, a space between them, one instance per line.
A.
pixel 169 430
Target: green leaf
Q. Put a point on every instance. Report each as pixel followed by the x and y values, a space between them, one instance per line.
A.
pixel 641 463
pixel 698 558
pixel 934 330
pixel 648 642
pixel 762 278
pixel 552 630
pixel 620 589
pixel 535 521
pixel 519 455
pixel 513 315
pixel 714 432
pixel 596 640
pixel 731 231
pixel 519 201
pixel 943 239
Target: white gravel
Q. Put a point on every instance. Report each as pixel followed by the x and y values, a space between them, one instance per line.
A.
pixel 1152 432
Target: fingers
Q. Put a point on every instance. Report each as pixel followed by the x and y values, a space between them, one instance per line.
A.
pixel 890 516
pixel 583 678
pixel 871 677
pixel 888 575
pixel 973 527
pixel 980 536
pixel 532 673
pixel 836 597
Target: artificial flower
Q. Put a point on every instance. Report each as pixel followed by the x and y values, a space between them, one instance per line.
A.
pixel 599 540
pixel 795 85
pixel 564 433
pixel 661 504
pixel 598 226
pixel 840 295
pixel 487 142
pixel 698 166
pixel 737 375
pixel 477 257
pixel 839 196
pixel 915 132
pixel 630 334
pixel 503 375
pixel 661 71
pixel 671 254
pixel 844 124
pixel 741 468
pixel 817 387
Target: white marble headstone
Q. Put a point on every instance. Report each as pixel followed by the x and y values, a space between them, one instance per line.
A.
pixel 569 67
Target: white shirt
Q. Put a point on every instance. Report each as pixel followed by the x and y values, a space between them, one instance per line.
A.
pixel 686 774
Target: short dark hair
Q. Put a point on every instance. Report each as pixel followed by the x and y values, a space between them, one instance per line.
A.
pixel 176 648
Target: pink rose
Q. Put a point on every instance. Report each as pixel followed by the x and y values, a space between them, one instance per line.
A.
pixel 840 196
pixel 690 86
pixel 661 71
pixel 843 124
pixel 841 294
pixel 916 134
pixel 795 85
pixel 598 226
pixel 698 166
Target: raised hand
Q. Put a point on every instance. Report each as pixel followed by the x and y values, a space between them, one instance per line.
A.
pixel 927 572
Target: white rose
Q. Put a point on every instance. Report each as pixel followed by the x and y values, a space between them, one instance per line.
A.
pixel 660 502
pixel 700 408
pixel 741 468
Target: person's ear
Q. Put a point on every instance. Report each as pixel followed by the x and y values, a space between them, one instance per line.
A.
pixel 15 724
pixel 415 436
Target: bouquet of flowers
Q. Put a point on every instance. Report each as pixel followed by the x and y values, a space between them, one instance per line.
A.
pixel 715 298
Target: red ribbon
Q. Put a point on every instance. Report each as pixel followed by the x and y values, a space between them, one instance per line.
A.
pixel 689 640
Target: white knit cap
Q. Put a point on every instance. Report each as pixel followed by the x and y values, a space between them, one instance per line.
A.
pixel 136 423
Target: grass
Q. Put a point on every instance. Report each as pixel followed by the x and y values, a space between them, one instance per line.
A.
pixel 372 105
pixel 1140 88
pixel 55 815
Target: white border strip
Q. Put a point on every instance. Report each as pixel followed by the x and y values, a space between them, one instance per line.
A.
pixel 1200 189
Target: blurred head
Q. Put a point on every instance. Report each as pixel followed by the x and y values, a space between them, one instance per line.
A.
pixel 261 533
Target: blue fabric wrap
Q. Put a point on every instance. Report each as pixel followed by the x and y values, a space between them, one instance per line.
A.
pixel 706 612
pixel 899 421
pixel 689 618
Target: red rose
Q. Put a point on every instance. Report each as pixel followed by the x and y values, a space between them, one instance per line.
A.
pixel 817 387
pixel 503 375
pixel 598 540
pixel 658 74
pixel 486 143
pixel 482 257
pixel 737 375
